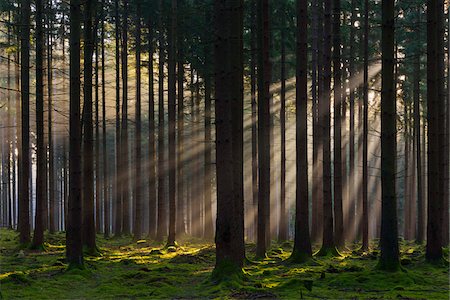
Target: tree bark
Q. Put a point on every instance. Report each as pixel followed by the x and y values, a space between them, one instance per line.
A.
pixel 74 242
pixel 434 226
pixel 389 259
pixel 38 237
pixel 88 140
pixel 24 158
pixel 138 186
pixel 302 242
pixel 162 223
pixel 263 127
pixel 172 82
pixel 337 102
pixel 228 48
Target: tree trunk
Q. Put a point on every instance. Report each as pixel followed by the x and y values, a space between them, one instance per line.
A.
pixel 97 142
pixel 181 229
pixel 365 150
pixel 38 237
pixel 282 234
pixel 302 243
pixel 172 85
pixel 24 158
pixel 151 140
pixel 106 203
pixel 325 116
pixel 230 249
pixel 74 242
pixel 125 176
pixel 209 229
pixel 162 223
pixel 51 169
pixel 435 203
pixel 337 162
pixel 138 186
pixel 88 140
pixel 118 180
pixel 263 126
pixel 253 80
pixel 420 199
pixel 389 259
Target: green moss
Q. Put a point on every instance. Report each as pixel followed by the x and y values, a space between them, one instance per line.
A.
pixel 132 270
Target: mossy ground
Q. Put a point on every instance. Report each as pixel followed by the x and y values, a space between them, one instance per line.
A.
pixel 137 270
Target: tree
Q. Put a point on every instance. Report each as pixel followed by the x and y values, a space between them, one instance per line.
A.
pixel 434 82
pixel 106 203
pixel 282 235
pixel 328 244
pixel 151 139
pixel 181 229
pixel 263 126
pixel 118 181
pixel 74 243
pixel 365 212
pixel 88 139
pixel 124 129
pixel 172 120
pixel 302 243
pixel 209 227
pixel 337 162
pixel 162 223
pixel 389 259
pixel 51 156
pixel 138 195
pixel 228 54
pixel 24 158
pixel 38 238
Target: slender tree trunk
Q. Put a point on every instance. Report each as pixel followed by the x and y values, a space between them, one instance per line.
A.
pixel 151 140
pixel 420 199
pixel 97 142
pixel 352 171
pixel 263 126
pixel 434 226
pixel 88 140
pixel 365 150
pixel 337 162
pixel 74 242
pixel 162 223
pixel 118 180
pixel 181 229
pixel 38 237
pixel 230 249
pixel 125 176
pixel 302 243
pixel 138 186
pixel 209 228
pixel 282 234
pixel 389 259
pixel 106 203
pixel 24 158
pixel 253 80
pixel 328 243
pixel 406 191
pixel 172 82
pixel 51 159
pixel 317 205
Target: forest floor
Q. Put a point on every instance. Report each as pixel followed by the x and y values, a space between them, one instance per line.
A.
pixel 128 269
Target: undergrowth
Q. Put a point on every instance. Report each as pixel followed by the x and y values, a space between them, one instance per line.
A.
pixel 143 269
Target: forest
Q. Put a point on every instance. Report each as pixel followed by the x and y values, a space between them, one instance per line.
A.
pixel 231 149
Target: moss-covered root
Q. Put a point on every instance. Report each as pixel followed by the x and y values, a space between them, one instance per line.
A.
pixel 226 270
pixel 328 252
